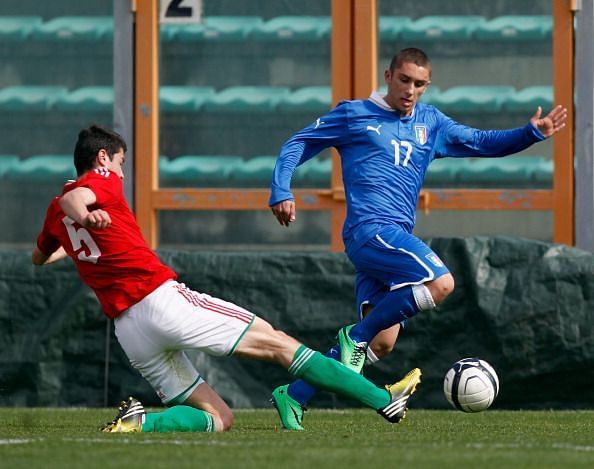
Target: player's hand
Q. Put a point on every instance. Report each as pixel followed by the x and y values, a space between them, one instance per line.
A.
pixel 97 219
pixel 284 212
pixel 552 123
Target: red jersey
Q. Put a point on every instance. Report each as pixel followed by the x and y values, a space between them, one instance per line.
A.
pixel 115 262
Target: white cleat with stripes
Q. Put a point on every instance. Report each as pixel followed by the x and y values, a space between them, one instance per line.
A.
pixel 401 391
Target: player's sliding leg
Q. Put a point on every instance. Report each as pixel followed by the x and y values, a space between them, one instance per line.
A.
pixel 263 342
pixel 330 375
pixel 132 417
pixel 298 393
pixel 204 411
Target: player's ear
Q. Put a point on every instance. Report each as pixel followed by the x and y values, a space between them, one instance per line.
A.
pixel 102 158
pixel 387 75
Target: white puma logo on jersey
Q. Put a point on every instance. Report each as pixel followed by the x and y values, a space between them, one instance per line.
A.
pixel 375 129
pixel 318 123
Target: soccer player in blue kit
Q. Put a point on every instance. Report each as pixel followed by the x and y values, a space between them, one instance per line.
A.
pixel 386 143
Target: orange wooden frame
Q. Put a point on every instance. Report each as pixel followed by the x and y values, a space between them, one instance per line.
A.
pixel 354 56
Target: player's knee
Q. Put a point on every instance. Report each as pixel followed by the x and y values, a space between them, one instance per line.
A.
pixel 441 288
pixel 223 421
pixel 429 295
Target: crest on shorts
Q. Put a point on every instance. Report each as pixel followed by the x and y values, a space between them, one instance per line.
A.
pixel 421 134
pixel 436 261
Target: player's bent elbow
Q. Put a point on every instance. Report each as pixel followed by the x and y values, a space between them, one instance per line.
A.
pixel 37 257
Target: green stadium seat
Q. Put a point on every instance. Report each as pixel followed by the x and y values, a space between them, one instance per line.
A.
pixel 312 99
pixel 508 172
pixel 184 98
pixel 30 98
pixel 217 28
pixel 17 28
pixel 88 98
pixel 430 96
pixel 7 162
pixel 528 99
pixel 199 171
pixel 473 99
pixel 516 28
pixel 448 28
pixel 390 27
pixel 246 99
pixel 168 31
pixel 75 28
pixel 293 28
pixel 253 172
pixel 42 168
pixel 542 172
pixel 314 173
pixel 530 172
pixel 441 173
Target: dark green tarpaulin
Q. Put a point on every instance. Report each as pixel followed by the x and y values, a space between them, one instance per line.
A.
pixel 526 307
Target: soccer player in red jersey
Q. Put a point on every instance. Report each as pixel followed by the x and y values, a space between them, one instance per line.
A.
pixel 157 318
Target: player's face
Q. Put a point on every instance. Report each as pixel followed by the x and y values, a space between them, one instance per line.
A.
pixel 406 84
pixel 117 163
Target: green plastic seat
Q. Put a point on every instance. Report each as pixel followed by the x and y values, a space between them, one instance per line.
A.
pixel 528 99
pixel 7 162
pixel 473 99
pixel 293 28
pixel 508 172
pixel 442 173
pixel 542 172
pixel 88 98
pixel 449 28
pixel 17 28
pixel 390 27
pixel 430 96
pixel 253 172
pixel 312 99
pixel 315 173
pixel 246 99
pixel 516 28
pixel 30 98
pixel 217 28
pixel 184 98
pixel 199 171
pixel 42 168
pixel 75 28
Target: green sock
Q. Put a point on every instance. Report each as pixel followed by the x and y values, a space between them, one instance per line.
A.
pixel 179 418
pixel 331 375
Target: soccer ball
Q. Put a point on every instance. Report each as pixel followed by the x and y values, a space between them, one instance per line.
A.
pixel 471 385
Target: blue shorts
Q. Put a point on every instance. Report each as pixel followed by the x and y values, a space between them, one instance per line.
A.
pixel 390 260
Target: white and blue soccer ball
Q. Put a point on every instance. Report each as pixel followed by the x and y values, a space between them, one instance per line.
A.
pixel 471 385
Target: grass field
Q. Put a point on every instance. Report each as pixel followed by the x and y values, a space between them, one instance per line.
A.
pixel 63 438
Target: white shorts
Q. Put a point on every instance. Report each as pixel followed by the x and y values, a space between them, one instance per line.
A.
pixel 155 332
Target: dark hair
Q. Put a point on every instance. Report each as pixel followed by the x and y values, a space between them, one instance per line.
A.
pixel 411 54
pixel 90 141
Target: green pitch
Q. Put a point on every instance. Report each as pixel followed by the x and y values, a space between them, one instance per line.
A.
pixel 63 438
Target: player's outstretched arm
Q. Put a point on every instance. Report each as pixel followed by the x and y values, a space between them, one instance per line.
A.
pixel 552 123
pixel 75 204
pixel 284 212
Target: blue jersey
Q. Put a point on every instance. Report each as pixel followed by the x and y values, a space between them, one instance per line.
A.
pixel 385 157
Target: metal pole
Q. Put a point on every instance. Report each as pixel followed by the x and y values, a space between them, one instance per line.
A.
pixel 584 124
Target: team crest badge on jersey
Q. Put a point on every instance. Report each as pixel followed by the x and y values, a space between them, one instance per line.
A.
pixel 421 134
pixel 436 261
